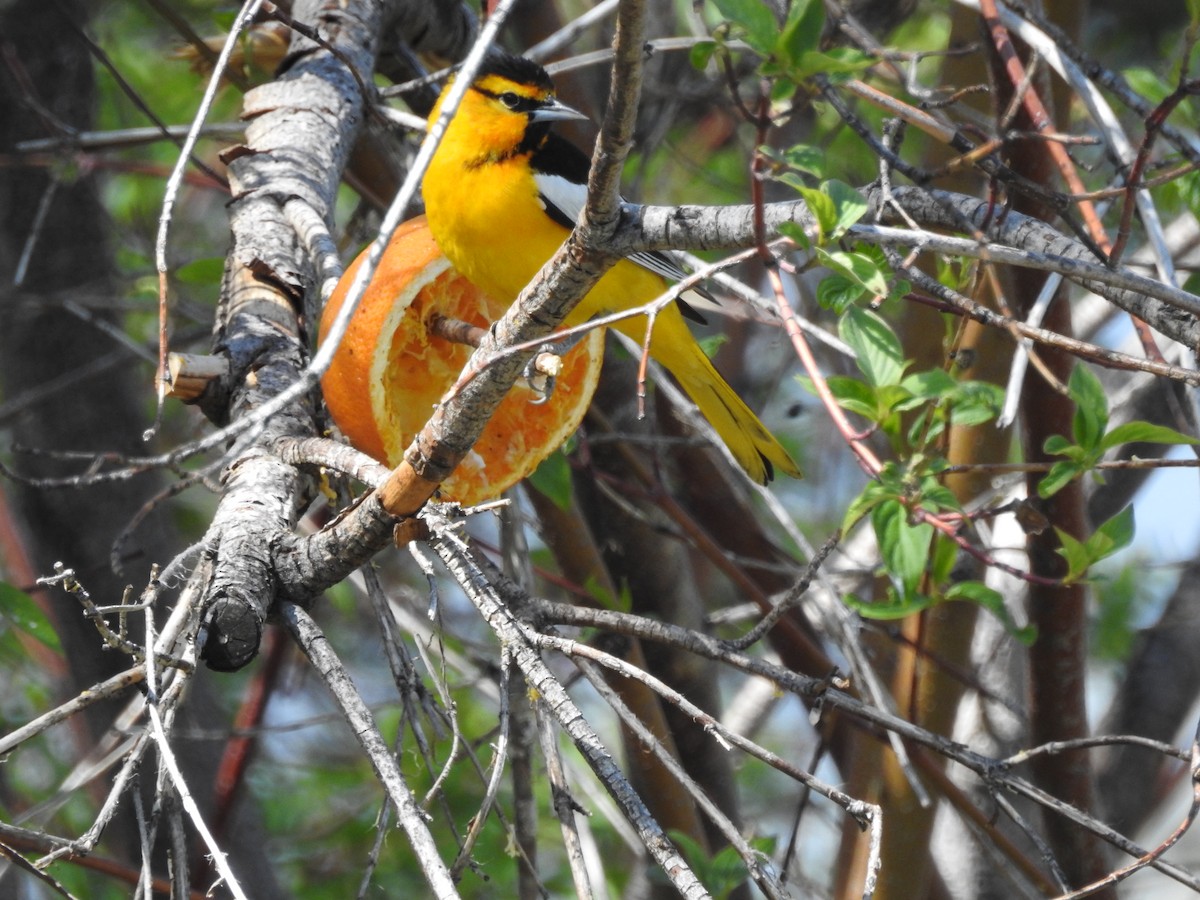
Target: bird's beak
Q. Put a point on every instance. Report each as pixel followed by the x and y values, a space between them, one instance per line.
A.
pixel 555 111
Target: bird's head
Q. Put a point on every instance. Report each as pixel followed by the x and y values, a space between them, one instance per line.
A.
pixel 510 106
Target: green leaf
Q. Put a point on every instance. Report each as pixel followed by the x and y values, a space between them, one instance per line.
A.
pixel 823 209
pixel 553 478
pixel 835 205
pixel 896 607
pixel 879 354
pixel 935 496
pixel 1058 445
pixel 927 426
pixel 1148 83
pixel 976 402
pixel 970 416
pixel 857 266
pixel 792 179
pixel 1115 534
pixel 942 559
pixel 24 614
pixel 854 394
pixel 893 398
pixel 932 384
pixel 797 234
pixel 755 19
pixel 837 293
pixel 1090 422
pixel 871 496
pixel 720 873
pixel 953 272
pixel 1144 433
pixel 1091 407
pixel 1188 187
pixel 801 32
pixel 903 546
pixel 782 88
pixel 1060 475
pixel 701 53
pixel 802 157
pixel 900 288
pixel 849 203
pixel 1076 555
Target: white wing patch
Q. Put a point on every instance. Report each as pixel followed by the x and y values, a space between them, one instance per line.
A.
pixel 564 200
pixel 561 197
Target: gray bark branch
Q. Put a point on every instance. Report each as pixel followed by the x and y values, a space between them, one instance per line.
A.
pixel 302 129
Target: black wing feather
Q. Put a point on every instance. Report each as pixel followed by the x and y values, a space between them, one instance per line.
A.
pixel 558 157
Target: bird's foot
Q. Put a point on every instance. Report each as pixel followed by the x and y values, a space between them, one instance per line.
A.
pixel 542 371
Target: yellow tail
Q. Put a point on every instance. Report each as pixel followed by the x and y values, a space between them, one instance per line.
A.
pixel 752 445
pixel 626 285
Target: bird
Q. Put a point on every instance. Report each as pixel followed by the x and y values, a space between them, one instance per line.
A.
pixel 502 192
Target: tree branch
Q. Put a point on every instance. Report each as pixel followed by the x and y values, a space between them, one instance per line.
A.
pixel 302 129
pixel 1169 310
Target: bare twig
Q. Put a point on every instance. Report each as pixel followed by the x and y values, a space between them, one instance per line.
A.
pixel 358 716
pixel 456 557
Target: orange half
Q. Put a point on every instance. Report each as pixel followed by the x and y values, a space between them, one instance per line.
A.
pixel 389 372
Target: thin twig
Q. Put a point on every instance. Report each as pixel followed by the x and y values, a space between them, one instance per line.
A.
pixel 358 716
pixel 247 13
pixel 564 805
pixel 456 557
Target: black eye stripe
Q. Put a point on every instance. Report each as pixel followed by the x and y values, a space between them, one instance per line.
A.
pixel 512 100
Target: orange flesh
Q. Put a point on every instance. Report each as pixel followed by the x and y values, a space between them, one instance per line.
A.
pixel 380 401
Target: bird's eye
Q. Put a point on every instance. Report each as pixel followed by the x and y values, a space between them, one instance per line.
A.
pixel 509 99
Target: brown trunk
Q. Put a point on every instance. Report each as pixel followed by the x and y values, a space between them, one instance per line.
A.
pixel 1058 660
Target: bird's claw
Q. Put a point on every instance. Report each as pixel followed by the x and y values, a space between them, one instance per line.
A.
pixel 542 372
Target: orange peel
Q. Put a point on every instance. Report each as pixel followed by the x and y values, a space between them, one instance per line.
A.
pixel 389 372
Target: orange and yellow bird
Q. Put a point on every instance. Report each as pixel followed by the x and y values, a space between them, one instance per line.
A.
pixel 503 192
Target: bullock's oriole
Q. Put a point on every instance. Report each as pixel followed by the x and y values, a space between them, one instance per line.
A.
pixel 502 193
